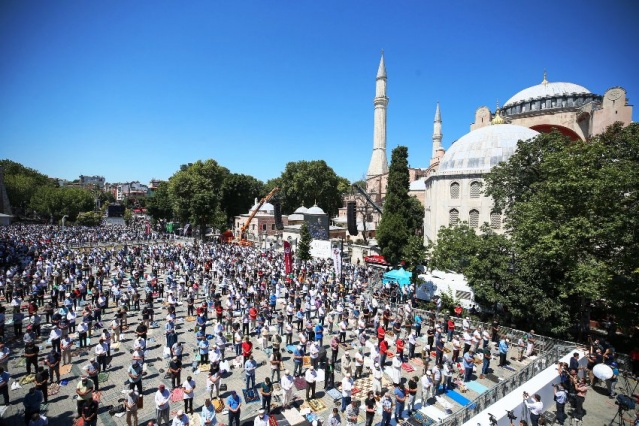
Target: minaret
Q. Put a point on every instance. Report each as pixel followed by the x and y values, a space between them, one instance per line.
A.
pixel 437 132
pixel 379 162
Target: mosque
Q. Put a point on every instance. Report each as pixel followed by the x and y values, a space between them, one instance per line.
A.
pixel 450 188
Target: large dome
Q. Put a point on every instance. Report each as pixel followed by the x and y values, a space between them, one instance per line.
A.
pixel 481 149
pixel 547 90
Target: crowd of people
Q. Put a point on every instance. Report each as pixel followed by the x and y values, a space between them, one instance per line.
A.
pixel 237 300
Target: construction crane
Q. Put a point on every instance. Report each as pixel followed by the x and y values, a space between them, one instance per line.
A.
pixel 243 241
pixel 367 197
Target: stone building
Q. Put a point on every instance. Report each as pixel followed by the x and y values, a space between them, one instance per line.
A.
pixel 450 185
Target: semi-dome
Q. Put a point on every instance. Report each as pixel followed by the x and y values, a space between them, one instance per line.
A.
pixel 315 210
pixel 546 90
pixel 481 149
pixel 301 210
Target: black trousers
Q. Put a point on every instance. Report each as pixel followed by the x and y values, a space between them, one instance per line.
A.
pixel 32 361
pixel 234 418
pixel 175 379
pixel 188 402
pixel 310 390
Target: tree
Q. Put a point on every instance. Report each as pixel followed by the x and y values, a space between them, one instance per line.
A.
pixel 22 183
pixel 58 202
pixel 414 252
pixel 238 194
pixel 456 247
pixel 196 193
pixel 308 183
pixel 572 214
pixel 400 219
pixel 304 245
pixel 159 205
pixel 89 219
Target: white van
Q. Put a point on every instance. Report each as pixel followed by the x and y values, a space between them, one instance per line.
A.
pixel 455 285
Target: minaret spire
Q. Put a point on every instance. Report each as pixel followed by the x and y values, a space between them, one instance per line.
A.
pixel 379 162
pixel 437 133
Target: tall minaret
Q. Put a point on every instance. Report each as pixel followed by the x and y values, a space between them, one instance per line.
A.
pixel 379 162
pixel 437 136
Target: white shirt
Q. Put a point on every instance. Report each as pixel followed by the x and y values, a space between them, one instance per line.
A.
pixel 310 376
pixel 287 382
pixel 535 407
pixel 261 421
pixel 188 386
pixel 347 387
pixel 162 399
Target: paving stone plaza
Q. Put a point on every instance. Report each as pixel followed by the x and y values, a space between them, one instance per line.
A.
pixel 61 408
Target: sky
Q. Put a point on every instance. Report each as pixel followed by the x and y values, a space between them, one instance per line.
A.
pixel 131 90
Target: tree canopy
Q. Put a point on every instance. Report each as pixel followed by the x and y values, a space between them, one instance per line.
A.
pixel 572 212
pixel 307 183
pixel 403 214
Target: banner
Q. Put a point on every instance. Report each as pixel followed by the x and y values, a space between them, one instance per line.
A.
pixel 337 261
pixel 288 258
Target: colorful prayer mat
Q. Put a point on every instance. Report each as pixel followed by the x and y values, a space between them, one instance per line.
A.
pixel 53 389
pixel 65 369
pixel 251 395
pixel 177 395
pixel 103 376
pixel 299 383
pixel 407 367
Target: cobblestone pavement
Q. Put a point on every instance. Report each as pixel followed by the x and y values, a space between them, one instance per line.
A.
pixel 61 409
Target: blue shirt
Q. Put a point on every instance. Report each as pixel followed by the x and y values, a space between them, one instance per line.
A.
pixel 399 393
pixel 503 347
pixel 233 402
pixel 319 331
pixel 209 414
pixel 204 346
pixel 468 360
pixel 298 352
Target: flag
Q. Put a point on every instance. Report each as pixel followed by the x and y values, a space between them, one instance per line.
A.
pixel 288 258
pixel 337 261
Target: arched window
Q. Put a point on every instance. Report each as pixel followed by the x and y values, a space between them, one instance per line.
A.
pixel 454 191
pixel 473 218
pixel 453 217
pixel 495 220
pixel 475 189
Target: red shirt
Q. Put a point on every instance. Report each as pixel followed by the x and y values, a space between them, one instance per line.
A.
pixel 383 347
pixel 400 345
pixel 247 347
pixel 380 332
pixel 458 310
pixel 253 313
pixel 451 325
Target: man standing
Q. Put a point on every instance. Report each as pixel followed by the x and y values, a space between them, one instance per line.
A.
pixel 180 419
pixel 347 390
pixel 65 346
pixel 189 393
pixel 287 388
pixel 249 368
pixel 90 412
pixel 535 406
pixel 234 404
pixel 175 369
pixel 486 361
pixel 400 398
pixel 84 390
pixel 261 419
pixel 31 355
pixel 469 363
pixel 352 411
pixel 387 409
pixel 311 380
pixel 208 413
pixel 162 400
pixel 135 376
pixel 266 390
pixel 131 405
pixel 32 401
pixel 53 362
pixel 371 406
pixel 560 401
pixel 503 351
pixel 101 354
pixel 41 381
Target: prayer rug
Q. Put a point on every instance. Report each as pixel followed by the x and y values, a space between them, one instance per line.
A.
pixel 251 395
pixel 205 367
pixel 317 405
pixel 97 396
pixel 27 379
pixel 290 348
pixel 177 395
pixel 306 361
pixel 103 377
pixel 194 420
pixel 476 387
pixel 458 398
pixel 65 369
pixel 116 345
pixel 355 391
pixel 218 403
pixel 422 418
pixel 53 389
pixel 272 421
pixel 407 367
pixel 417 361
pixel 493 378
pixel 21 362
pixel 293 417
pixel 334 393
pixel 300 383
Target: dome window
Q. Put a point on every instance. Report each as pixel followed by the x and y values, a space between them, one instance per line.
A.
pixel 473 219
pixel 453 217
pixel 454 191
pixel 495 220
pixel 475 189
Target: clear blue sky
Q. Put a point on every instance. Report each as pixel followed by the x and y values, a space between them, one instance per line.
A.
pixel 132 89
